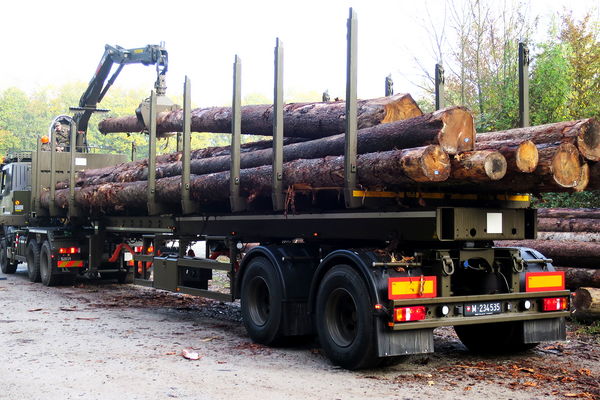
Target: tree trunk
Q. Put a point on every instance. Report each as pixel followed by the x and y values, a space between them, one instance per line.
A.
pixel 581 277
pixel 568 224
pixel 443 126
pixel 520 157
pixel 585 134
pixel 478 166
pixel 586 213
pixel 564 254
pixel 587 303
pixel 310 120
pixel 570 236
pixel 395 168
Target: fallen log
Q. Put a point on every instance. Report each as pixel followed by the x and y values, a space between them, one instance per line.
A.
pixel 310 120
pixel 444 127
pixel 581 277
pixel 568 224
pixel 584 133
pixel 586 303
pixel 395 168
pixel 585 213
pixel 570 236
pixel 478 166
pixel 522 157
pixel 563 253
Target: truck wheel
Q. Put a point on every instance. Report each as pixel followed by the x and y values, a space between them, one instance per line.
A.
pixel 496 338
pixel 33 261
pixel 261 298
pixel 344 319
pixel 6 266
pixel 49 275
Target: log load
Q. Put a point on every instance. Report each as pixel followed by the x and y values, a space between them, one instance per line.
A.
pixel 563 253
pixel 594 183
pixel 478 166
pixel 571 213
pixel 395 168
pixel 584 133
pixel 568 224
pixel 309 120
pixel 581 277
pixel 448 128
pixel 586 303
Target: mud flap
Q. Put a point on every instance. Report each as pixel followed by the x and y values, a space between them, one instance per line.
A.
pixel 543 330
pixel 399 343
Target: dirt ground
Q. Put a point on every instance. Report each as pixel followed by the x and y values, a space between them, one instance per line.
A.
pixel 100 340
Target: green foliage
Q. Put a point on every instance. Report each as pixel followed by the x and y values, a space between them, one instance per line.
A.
pixel 586 199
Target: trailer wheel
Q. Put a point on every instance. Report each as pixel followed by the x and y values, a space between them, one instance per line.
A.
pixel 6 266
pixel 48 274
pixel 33 261
pixel 344 319
pixel 496 338
pixel 261 299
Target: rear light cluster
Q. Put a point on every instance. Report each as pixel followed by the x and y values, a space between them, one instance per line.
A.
pixel 555 304
pixel 69 250
pixel 405 314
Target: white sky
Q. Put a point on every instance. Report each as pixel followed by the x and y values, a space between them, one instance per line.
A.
pixel 60 41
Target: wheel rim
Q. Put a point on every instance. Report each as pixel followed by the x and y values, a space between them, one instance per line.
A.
pixel 259 301
pixel 341 317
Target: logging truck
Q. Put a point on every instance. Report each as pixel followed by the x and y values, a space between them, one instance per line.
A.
pixel 371 273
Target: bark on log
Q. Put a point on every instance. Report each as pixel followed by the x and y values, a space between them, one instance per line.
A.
pixel 586 303
pixel 586 213
pixel 395 168
pixel 310 120
pixel 563 253
pixel 581 277
pixel 568 224
pixel 570 236
pixel 584 133
pixel 446 126
pixel 478 166
pixel 520 157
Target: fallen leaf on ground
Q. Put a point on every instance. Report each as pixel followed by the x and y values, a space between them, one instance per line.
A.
pixel 87 318
pixel 171 353
pixel 35 309
pixel 209 339
pixel 190 354
pixel 69 309
pixel 530 384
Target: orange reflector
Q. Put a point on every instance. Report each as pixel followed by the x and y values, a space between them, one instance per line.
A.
pixel 150 249
pixel 412 287
pixel 69 264
pixel 405 314
pixel 555 304
pixel 544 281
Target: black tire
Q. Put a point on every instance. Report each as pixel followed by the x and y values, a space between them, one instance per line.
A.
pixel 50 276
pixel 345 321
pixel 6 266
pixel 33 261
pixel 496 338
pixel 261 302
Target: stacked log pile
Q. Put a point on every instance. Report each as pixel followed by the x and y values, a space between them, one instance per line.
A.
pixel 399 149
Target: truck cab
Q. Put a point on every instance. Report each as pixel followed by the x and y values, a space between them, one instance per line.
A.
pixel 15 184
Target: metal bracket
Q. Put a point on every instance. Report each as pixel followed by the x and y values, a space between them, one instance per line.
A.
pixel 187 205
pixel 162 104
pixel 73 209
pixel 237 203
pixel 350 146
pixel 52 202
pixel 153 207
pixel 523 85
pixel 439 87
pixel 277 196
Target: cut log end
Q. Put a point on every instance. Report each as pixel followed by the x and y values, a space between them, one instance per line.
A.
pixel 458 133
pixel 403 108
pixel 527 156
pixel 479 166
pixel 588 140
pixel 566 166
pixel 495 166
pixel 426 164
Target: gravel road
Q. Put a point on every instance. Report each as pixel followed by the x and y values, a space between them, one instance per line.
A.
pixel 100 340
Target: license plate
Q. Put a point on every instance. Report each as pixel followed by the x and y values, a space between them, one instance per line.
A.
pixel 485 308
pixel 65 258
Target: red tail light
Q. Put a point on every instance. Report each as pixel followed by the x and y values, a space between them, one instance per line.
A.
pixel 555 304
pixel 138 249
pixel 405 314
pixel 69 250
